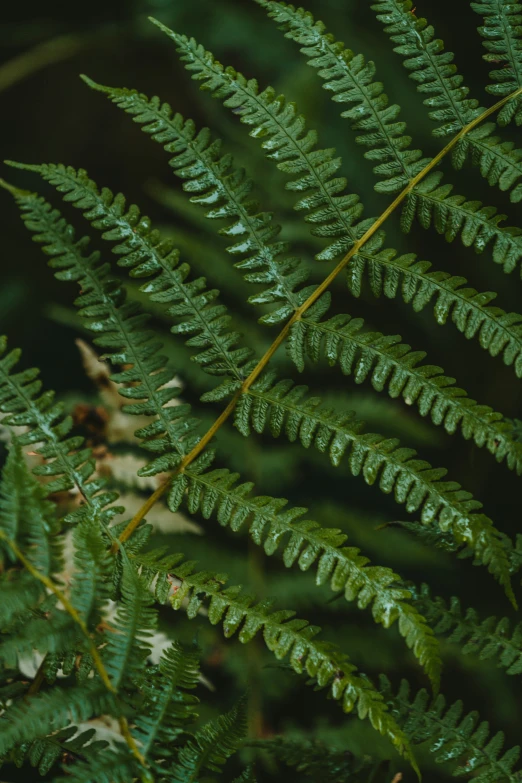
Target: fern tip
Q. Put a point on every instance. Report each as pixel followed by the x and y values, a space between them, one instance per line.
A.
pixel 13 189
pixel 91 83
pixel 25 166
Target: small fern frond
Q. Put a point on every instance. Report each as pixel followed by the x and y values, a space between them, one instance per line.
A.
pixel 46 424
pixel 392 365
pixel 109 766
pixel 27 517
pixel 388 274
pixel 39 715
pixel 91 584
pixel 66 462
pixel 127 644
pixel 225 192
pixel 503 43
pixel 247 777
pixel 168 708
pixel 305 543
pixel 211 746
pixel 20 593
pixel 488 639
pixel 44 754
pixel 284 635
pixel 145 252
pixel 452 736
pixel 282 407
pixel 447 97
pixel 316 760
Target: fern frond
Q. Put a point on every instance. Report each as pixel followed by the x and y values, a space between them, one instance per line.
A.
pixel 69 257
pixel 211 746
pixel 392 365
pixel 26 516
pixel 502 34
pixel 66 462
pixel 488 639
pixel 168 708
pixel 282 407
pixel 284 635
pixel 247 776
pixel 388 274
pixel 20 593
pixel 283 135
pixel 51 710
pixel 436 75
pixel 225 192
pixel 91 584
pixel 45 629
pixel 452 736
pixel 350 79
pixel 145 252
pixel 110 766
pixel 127 648
pixel 122 331
pixel 453 215
pixel 305 543
pixel 44 753
pixel 316 760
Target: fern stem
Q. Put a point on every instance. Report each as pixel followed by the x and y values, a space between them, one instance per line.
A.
pixel 260 366
pixel 71 611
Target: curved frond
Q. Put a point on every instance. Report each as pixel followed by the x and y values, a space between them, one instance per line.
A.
pixel 488 639
pixel 279 406
pixel 283 135
pixel 111 766
pixel 452 735
pixel 503 43
pixel 435 73
pixel 284 635
pixel 45 753
pixel 316 760
pixel 224 191
pixel 168 708
pixel 452 216
pixel 350 80
pixel 391 365
pixel 406 276
pixel 40 715
pixel 27 517
pixel 127 645
pixel 305 543
pixel 211 746
pixel 122 331
pixel 145 252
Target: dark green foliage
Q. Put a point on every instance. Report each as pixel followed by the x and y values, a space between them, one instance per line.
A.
pixel 393 365
pixel 211 746
pixel 489 638
pixel 317 761
pixel 87 594
pixel 502 34
pixel 436 75
pixel 281 407
pixel 218 184
pixel 460 739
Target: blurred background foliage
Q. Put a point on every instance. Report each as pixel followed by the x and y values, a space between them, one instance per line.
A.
pixel 49 115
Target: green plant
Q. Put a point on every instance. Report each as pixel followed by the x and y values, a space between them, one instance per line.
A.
pixel 103 658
